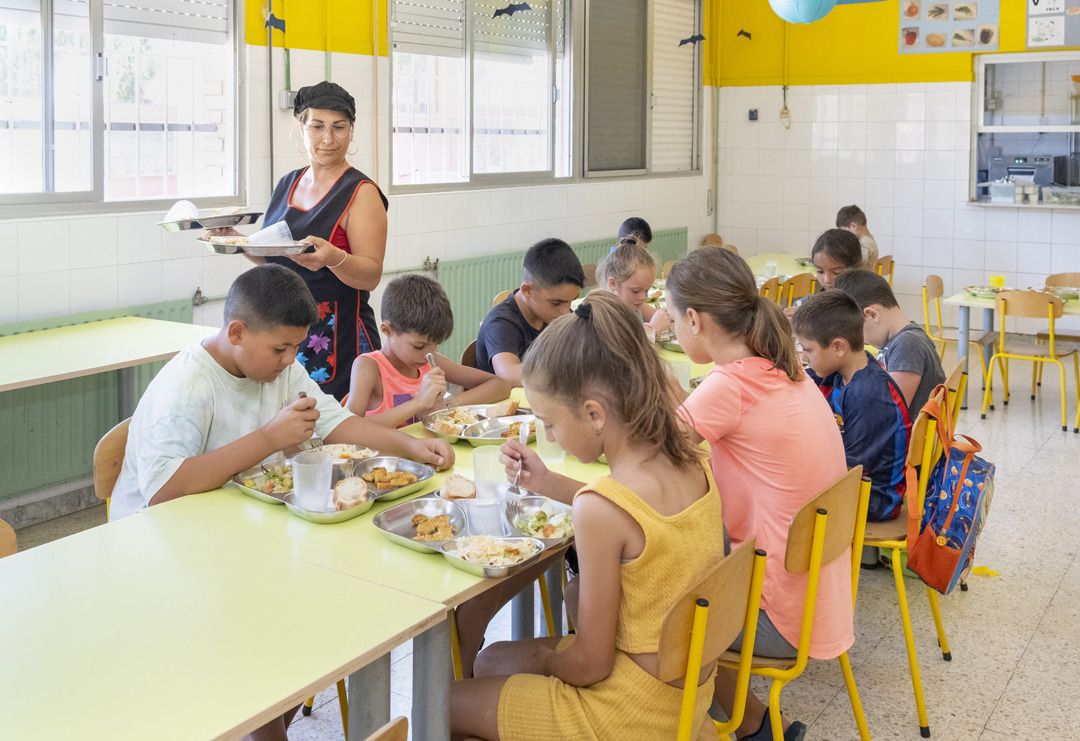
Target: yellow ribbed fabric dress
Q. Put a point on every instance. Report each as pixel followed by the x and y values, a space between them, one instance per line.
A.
pixel 630 703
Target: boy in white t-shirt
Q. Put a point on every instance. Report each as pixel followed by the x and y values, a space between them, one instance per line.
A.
pixel 230 402
pixel 852 219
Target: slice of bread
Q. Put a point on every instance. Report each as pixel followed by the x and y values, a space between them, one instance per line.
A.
pixel 503 409
pixel 458 487
pixel 350 492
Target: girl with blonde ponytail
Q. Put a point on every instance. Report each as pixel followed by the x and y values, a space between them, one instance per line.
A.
pixel 774 445
pixel 628 271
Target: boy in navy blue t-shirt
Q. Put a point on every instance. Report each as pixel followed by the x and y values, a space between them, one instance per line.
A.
pixel 868 405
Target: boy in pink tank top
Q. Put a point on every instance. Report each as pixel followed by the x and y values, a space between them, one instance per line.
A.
pixel 396 386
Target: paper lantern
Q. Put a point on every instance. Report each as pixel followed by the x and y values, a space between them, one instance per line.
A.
pixel 802 11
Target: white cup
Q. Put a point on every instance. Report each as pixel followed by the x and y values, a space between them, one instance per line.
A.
pixel 771 266
pixel 550 452
pixel 488 473
pixel 312 472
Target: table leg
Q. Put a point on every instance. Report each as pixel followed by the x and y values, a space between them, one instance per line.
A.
pixel 369 697
pixel 127 398
pixel 553 577
pixel 963 334
pixel 523 614
pixel 433 673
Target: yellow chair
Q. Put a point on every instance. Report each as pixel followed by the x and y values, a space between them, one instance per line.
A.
pixel 712 240
pixel 892 536
pixel 500 297
pixel 885 266
pixel 343 705
pixel 108 460
pixel 468 355
pixel 667 268
pixel 826 528
pixel 770 289
pixel 707 619
pixel 933 290
pixel 395 730
pixel 797 286
pixel 955 382
pixel 8 544
pixel 1031 304
pixel 1059 279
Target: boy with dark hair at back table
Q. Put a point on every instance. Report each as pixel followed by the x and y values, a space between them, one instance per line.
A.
pixel 868 406
pixel 396 385
pixel 905 349
pixel 852 219
pixel 551 279
pixel 635 230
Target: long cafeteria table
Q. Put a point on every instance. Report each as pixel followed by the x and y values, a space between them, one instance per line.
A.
pixel 149 628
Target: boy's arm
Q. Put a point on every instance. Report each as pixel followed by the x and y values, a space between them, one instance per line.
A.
pixel 291 426
pixel 907 382
pixel 364 381
pixel 367 382
pixel 504 341
pixel 507 366
pixel 362 431
pixel 480 386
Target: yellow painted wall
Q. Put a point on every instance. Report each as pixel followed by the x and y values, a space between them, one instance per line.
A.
pixel 853 44
pixel 349 22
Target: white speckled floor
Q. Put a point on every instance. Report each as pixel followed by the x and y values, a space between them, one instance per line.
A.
pixel 1014 637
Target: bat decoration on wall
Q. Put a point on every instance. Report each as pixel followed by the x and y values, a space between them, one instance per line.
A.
pixel 511 9
pixel 743 33
pixel 274 22
pixel 693 39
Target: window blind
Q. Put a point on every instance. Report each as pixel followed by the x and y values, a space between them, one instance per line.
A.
pixel 431 27
pixel 674 84
pixel 205 21
pixel 616 73
pixel 524 33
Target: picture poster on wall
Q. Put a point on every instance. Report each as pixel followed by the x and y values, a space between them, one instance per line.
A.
pixel 1053 23
pixel 953 26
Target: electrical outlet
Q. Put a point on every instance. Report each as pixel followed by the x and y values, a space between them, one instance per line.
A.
pixel 286 98
pixel 753 114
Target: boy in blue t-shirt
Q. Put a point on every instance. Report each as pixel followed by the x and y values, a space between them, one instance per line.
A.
pixel 868 405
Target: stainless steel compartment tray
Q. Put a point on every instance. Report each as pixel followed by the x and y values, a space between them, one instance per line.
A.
pixel 391 463
pixel 211 222
pixel 492 572
pixel 533 503
pixel 396 522
pixel 256 250
pixel 489 432
pixel 327 516
pixel 257 475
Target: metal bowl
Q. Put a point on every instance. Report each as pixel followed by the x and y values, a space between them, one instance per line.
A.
pixel 489 432
pixel 392 463
pixel 672 345
pixel 529 505
pixel 491 572
pixel 396 523
pixel 257 250
pixel 257 476
pixel 345 463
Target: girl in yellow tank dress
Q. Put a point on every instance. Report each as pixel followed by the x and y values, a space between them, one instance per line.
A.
pixel 644 535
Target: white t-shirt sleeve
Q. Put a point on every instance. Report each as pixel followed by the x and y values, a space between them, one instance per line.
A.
pixel 162 448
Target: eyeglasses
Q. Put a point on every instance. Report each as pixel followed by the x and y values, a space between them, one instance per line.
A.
pixel 318 130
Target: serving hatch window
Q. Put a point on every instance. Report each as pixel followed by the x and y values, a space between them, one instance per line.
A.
pixel 112 101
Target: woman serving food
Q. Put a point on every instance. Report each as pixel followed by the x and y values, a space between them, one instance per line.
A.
pixel 342 212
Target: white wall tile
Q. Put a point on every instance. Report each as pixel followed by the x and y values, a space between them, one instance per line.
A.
pixel 180 278
pixel 138 239
pixel 93 289
pixel 1001 225
pixel 1000 256
pixel 140 283
pixel 968 254
pixel 1034 226
pixel 44 246
pixel 9 249
pixel 1033 257
pixel 9 299
pixel 93 242
pixel 44 294
pixel 1065 229
pixel 969 223
pixel 909 164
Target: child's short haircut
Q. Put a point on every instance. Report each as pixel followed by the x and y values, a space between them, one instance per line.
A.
pixel 622 262
pixel 635 228
pixel 827 316
pixel 842 246
pixel 415 303
pixel 849 215
pixel 551 262
pixel 270 296
pixel 867 288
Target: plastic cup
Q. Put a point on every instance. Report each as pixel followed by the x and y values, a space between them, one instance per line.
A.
pixel 997 281
pixel 488 473
pixel 681 371
pixel 771 267
pixel 312 472
pixel 550 452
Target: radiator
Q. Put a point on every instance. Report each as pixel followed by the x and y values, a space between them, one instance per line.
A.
pixel 472 284
pixel 48 432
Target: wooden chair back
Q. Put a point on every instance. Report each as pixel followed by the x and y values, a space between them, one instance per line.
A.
pixel 841 500
pixel 934 287
pixel 727 588
pixel 590 274
pixel 395 730
pixel 955 380
pixel 667 268
pixel 500 297
pixel 468 355
pixel 770 289
pixel 712 240
pixel 730 248
pixel 8 544
pixel 1031 304
pixel 884 267
pixel 797 286
pixel 109 458
pixel 1071 280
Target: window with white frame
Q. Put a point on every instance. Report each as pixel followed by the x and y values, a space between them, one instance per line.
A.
pixel 157 80
pixel 481 95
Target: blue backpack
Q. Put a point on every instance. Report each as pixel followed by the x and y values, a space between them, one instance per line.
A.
pixel 958 493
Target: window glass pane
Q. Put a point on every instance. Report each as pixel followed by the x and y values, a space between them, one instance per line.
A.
pixel 169 113
pixel 20 105
pixel 429 129
pixel 1031 93
pixel 72 101
pixel 615 70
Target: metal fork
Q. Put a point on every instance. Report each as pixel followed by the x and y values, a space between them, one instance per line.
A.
pixel 448 398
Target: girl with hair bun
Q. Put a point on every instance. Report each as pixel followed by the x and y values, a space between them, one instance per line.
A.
pixel 628 271
pixel 774 445
pixel 645 534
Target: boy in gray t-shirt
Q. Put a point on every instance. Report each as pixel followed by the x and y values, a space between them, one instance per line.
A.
pixel 905 349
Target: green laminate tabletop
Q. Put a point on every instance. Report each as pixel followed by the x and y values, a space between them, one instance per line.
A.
pixel 786 265
pixel 57 354
pixel 147 628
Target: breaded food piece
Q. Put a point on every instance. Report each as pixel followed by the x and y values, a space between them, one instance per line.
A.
pixel 418 518
pixel 435 528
